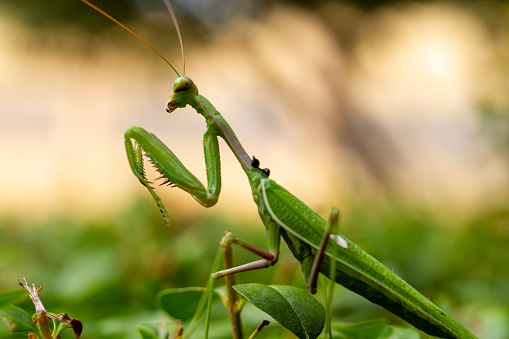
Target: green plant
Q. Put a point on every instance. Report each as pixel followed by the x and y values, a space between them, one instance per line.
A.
pixel 43 324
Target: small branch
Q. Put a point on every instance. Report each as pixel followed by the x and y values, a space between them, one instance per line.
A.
pixel 259 328
pixel 180 330
pixel 75 324
pixel 42 315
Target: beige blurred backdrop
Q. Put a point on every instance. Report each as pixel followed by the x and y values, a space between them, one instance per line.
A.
pixel 345 106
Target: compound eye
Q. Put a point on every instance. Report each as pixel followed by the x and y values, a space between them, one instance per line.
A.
pixel 266 171
pixel 255 163
pixel 182 86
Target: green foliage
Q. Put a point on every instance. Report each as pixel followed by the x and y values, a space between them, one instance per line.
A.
pixel 375 329
pixel 363 330
pixel 155 330
pixel 181 303
pixel 37 14
pixel 8 297
pixel 292 307
pixel 108 272
pixel 19 321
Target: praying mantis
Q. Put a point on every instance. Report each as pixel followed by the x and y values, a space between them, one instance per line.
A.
pixel 309 237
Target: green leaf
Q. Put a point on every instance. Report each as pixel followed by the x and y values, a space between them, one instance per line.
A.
pixel 18 319
pixel 154 329
pixel 398 332
pixel 376 329
pixel 8 297
pixel 146 332
pixel 292 307
pixel 371 329
pixel 181 303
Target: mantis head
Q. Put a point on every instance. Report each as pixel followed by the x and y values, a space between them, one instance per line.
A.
pixel 184 90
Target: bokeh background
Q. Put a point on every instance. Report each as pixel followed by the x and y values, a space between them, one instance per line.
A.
pixel 395 111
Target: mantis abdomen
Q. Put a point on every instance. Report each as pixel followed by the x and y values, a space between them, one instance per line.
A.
pixel 355 269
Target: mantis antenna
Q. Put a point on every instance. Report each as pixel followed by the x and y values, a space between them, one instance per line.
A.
pixel 177 27
pixel 172 13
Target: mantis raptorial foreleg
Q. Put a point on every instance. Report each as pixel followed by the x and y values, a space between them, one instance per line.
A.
pixel 172 171
pixel 303 230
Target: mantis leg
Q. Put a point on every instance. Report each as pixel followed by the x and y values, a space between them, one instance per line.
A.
pixel 171 169
pixel 320 253
pixel 329 233
pixel 269 258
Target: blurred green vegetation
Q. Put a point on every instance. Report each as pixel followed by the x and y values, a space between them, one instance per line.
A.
pixel 66 13
pixel 107 272
pixel 203 16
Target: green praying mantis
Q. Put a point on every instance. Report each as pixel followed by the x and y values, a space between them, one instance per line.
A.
pixel 309 237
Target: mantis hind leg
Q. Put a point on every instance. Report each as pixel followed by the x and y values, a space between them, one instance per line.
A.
pixel 268 258
pixel 316 265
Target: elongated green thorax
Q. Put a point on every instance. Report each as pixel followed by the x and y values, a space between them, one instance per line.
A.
pixel 186 93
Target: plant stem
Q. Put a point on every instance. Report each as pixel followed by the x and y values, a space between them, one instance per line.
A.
pixel 42 315
pixel 232 298
pixel 259 328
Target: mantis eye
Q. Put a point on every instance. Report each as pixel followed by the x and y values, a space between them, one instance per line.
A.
pixel 183 84
pixel 181 87
pixel 255 163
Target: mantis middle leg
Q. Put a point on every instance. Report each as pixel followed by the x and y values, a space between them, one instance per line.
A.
pixel 311 264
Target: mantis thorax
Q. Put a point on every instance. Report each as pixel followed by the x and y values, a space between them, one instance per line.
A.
pixel 256 176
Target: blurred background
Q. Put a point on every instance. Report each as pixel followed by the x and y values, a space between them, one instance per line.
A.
pixel 395 111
